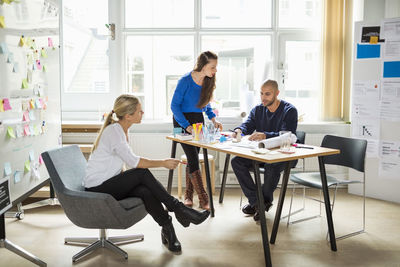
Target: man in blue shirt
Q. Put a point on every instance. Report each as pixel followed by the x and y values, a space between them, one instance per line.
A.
pixel 265 121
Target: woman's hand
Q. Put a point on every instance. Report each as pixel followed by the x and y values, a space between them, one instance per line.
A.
pixel 217 125
pixel 189 129
pixel 171 163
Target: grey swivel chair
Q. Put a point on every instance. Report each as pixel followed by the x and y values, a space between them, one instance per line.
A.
pixel 67 168
pixel 352 155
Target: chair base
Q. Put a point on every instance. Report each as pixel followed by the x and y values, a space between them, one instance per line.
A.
pixel 4 243
pixel 102 242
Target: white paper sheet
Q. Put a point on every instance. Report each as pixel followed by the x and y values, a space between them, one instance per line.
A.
pixel 391 50
pixel 366 89
pixel 366 128
pixel 390 110
pixel 390 90
pixel 390 29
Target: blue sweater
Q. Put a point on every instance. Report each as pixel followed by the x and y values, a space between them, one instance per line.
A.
pixel 270 123
pixel 185 99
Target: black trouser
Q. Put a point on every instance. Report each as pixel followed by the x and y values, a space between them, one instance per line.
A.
pixel 140 183
pixel 192 152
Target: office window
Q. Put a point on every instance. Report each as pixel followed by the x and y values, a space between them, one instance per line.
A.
pixel 300 13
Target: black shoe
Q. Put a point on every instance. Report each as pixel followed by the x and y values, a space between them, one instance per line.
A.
pixel 256 216
pixel 169 238
pixel 249 209
pixel 186 215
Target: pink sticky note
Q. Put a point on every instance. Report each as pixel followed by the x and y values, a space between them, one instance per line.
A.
pixel 50 41
pixel 6 104
pixel 26 130
pixel 26 116
pixel 41 160
pixel 38 65
pixel 41 102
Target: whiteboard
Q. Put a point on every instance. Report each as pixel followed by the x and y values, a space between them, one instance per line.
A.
pixel 35 116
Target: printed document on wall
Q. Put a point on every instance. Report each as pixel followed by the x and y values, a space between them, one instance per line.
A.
pixel 390 29
pixel 389 166
pixel 392 49
pixel 390 110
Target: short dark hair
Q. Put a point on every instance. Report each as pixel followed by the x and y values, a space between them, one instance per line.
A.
pixel 270 83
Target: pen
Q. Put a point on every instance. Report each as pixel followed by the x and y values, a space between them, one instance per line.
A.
pixel 308 147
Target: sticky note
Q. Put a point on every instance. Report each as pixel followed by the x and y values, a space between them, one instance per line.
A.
pixel 16 67
pixel 29 75
pixel 28 41
pixel 50 42
pixel 25 116
pixel 368 51
pixel 10 58
pixel 25 105
pixel 41 159
pixel 38 104
pixel 6 104
pixel 3 48
pixel 373 39
pixel 27 166
pixel 21 41
pixel 35 174
pixel 24 84
pixel 44 68
pixel 33 44
pixel 38 65
pixel 31 130
pixel 36 55
pixel 26 130
pixel 2 22
pixel 10 132
pixel 1 106
pixel 31 155
pixel 18 131
pixel 7 168
pixel 29 58
pixel 391 69
pixel 32 104
pixel 17 177
pixel 43 53
pixel 32 115
pixel 36 129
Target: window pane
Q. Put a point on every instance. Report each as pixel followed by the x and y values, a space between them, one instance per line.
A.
pixel 85 46
pixel 154 66
pixel 243 63
pixel 302 81
pixel 300 14
pixel 159 13
pixel 236 14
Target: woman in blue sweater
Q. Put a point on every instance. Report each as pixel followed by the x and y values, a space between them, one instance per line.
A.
pixel 191 98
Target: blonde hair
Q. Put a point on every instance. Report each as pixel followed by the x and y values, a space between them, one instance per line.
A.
pixel 124 104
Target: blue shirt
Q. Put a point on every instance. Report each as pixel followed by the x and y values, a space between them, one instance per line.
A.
pixel 270 123
pixel 185 99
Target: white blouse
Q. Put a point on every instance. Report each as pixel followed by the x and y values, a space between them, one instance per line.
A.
pixel 107 160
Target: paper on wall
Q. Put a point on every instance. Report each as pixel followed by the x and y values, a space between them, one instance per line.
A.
pixel 390 29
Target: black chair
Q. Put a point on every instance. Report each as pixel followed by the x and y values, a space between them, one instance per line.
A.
pixel 67 168
pixel 352 155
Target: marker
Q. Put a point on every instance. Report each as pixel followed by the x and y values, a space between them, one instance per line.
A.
pixel 307 147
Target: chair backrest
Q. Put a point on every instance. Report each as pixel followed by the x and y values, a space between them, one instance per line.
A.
pixel 352 151
pixel 301 137
pixel 66 167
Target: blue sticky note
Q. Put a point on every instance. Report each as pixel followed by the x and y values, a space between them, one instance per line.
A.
pixel 17 177
pixel 368 51
pixel 32 115
pixel 31 130
pixel 7 168
pixel 10 58
pixel 32 155
pixel 391 69
pixel 3 48
pixel 16 67
pixel 38 104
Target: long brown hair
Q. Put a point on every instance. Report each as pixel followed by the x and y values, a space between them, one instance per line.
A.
pixel 208 83
pixel 124 104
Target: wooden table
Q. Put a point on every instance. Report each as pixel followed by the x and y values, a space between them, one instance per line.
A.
pixel 300 153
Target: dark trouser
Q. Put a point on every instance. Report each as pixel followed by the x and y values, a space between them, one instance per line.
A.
pixel 140 183
pixel 192 153
pixel 242 167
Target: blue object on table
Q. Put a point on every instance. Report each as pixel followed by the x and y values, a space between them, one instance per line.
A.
pixel 176 131
pixel 222 138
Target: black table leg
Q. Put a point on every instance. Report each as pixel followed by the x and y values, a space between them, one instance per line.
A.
pixel 208 180
pixel 222 191
pixel 280 203
pixel 263 223
pixel 327 204
pixel 171 172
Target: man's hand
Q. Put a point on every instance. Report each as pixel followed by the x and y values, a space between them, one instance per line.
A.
pixel 257 136
pixel 237 132
pixel 189 129
pixel 171 163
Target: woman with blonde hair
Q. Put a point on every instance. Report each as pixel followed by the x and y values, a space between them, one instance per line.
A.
pixel 191 98
pixel 105 174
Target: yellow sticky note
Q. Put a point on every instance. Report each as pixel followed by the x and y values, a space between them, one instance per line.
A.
pixel 21 41
pixel 2 22
pixel 43 53
pixel 32 104
pixel 373 40
pixel 10 132
pixel 1 105
pixel 24 84
pixel 27 166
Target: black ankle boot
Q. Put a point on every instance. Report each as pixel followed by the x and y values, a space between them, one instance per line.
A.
pixel 169 238
pixel 186 215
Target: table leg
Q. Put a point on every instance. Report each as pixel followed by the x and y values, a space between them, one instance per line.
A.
pixel 171 172
pixel 263 223
pixel 221 193
pixel 282 194
pixel 209 189
pixel 327 204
